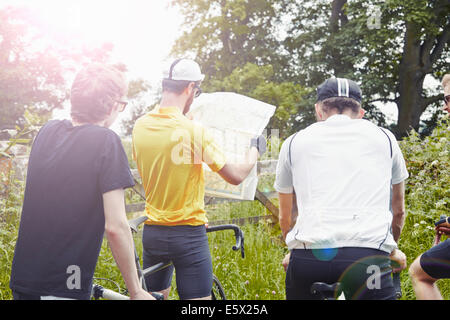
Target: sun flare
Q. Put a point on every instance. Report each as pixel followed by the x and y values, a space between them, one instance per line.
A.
pixel 142 32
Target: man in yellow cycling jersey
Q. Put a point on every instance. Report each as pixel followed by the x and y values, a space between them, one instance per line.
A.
pixel 169 150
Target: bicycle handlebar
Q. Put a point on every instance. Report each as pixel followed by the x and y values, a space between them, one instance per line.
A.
pixel 444 221
pixel 134 223
pixel 397 285
pixel 238 234
pixel 100 292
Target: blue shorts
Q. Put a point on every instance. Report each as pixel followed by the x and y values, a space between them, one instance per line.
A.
pixel 436 261
pixel 187 247
pixel 351 266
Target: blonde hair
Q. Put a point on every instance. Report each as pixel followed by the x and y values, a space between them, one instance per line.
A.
pixel 94 92
pixel 446 81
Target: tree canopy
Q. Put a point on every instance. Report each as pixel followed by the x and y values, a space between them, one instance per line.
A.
pixel 277 51
pixel 29 78
pixel 34 71
pixel 388 47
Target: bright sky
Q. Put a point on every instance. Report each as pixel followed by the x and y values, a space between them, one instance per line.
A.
pixel 142 31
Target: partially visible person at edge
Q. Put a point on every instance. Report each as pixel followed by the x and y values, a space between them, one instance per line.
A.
pixel 340 171
pixel 434 264
pixel 169 150
pixel 77 174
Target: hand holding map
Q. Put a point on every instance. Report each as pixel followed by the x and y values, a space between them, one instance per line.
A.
pixel 233 120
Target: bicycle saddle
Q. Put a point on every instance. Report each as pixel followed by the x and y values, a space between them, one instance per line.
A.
pixel 327 291
pixel 134 223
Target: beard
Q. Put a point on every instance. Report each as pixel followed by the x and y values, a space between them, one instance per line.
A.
pixel 187 105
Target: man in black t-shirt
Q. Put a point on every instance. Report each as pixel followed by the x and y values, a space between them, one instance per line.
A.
pixel 74 192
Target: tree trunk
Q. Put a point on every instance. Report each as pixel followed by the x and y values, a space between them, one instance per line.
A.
pixel 410 102
pixel 338 19
pixel 337 15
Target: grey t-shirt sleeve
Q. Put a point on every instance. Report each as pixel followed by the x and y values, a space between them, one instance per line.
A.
pixel 283 180
pixel 115 171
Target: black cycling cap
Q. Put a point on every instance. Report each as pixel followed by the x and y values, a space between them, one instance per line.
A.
pixel 338 87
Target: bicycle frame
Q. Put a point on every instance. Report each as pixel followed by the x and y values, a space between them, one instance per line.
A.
pixel 334 291
pixel 101 292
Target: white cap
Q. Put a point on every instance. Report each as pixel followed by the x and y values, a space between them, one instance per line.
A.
pixel 184 69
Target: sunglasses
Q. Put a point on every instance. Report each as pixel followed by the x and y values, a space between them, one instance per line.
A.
pixel 447 99
pixel 198 92
pixel 123 104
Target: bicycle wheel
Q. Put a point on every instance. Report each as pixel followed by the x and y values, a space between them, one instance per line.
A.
pixel 217 291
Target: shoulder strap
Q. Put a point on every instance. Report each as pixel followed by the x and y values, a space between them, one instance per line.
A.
pixel 390 142
pixel 290 143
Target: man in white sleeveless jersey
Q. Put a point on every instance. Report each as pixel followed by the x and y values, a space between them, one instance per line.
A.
pixel 340 171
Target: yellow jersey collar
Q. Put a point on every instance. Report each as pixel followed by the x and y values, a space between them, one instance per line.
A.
pixel 169 110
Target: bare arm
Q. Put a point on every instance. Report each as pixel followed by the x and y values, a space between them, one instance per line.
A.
pixel 236 173
pixel 398 209
pixel 121 242
pixel 285 217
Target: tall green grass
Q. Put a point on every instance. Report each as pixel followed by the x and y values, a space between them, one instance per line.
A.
pixel 260 275
pixel 10 207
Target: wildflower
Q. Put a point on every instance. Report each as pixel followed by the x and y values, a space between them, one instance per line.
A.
pixel 246 282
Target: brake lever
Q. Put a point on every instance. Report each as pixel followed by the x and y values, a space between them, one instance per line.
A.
pixel 239 235
pixel 241 243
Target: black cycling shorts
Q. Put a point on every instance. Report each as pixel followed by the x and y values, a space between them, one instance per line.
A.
pixel 436 261
pixel 187 247
pixel 364 273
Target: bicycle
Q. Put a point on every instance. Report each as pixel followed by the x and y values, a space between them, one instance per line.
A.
pixel 335 290
pixel 217 292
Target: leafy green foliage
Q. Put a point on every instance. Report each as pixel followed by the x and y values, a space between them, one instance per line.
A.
pixel 226 34
pixel 259 83
pixel 389 58
pixel 10 208
pixel 427 195
pixel 23 134
pixel 238 45
pixel 305 42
